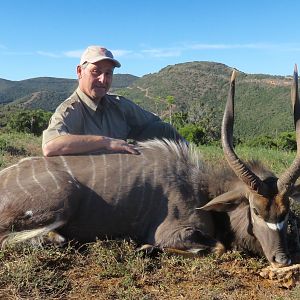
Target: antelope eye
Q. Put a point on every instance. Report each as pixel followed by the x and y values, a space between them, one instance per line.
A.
pixel 255 211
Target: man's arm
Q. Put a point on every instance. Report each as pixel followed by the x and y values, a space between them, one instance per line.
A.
pixel 146 125
pixel 80 144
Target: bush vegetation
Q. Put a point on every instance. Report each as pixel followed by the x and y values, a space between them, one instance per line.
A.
pixel 28 121
pixel 202 131
pixel 283 141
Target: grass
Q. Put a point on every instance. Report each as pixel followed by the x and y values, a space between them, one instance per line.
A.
pixel 14 146
pixel 276 160
pixel 114 270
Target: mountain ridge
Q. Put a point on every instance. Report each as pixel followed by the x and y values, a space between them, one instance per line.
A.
pixel 199 89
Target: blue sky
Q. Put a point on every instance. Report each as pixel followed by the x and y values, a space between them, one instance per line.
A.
pixel 45 38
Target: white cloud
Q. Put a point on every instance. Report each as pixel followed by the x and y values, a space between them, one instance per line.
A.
pixel 223 46
pixel 258 46
pixel 167 52
pixel 49 54
pixel 16 53
pixel 73 53
pixel 145 51
pixel 121 53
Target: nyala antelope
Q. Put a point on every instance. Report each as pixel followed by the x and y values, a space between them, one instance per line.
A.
pixel 167 197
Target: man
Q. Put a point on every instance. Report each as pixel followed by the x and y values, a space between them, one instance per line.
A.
pixel 92 120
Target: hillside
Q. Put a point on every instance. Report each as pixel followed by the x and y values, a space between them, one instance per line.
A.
pixel 47 92
pixel 199 89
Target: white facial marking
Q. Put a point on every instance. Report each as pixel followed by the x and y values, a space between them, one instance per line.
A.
pixel 277 226
pixel 272 226
pixel 28 213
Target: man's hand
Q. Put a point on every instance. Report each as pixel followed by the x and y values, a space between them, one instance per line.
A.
pixel 116 145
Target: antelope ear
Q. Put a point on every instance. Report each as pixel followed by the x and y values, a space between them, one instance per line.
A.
pixel 296 192
pixel 225 202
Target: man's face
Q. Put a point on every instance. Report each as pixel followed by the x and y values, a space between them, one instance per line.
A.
pixel 95 79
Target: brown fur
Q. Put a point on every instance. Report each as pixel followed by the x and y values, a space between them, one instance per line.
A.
pixel 151 198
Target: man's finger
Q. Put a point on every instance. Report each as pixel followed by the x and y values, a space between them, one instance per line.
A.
pixel 132 150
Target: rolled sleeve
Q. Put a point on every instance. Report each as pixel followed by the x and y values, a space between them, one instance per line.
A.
pixel 55 129
pixel 65 120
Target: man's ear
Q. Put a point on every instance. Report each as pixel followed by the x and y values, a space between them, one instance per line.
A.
pixel 225 202
pixel 79 70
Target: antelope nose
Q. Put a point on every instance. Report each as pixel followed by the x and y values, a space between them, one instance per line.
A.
pixel 282 259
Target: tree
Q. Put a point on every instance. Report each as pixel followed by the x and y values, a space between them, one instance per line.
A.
pixel 179 119
pixel 170 101
pixel 157 101
pixel 207 117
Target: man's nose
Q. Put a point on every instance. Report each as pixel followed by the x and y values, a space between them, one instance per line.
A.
pixel 101 77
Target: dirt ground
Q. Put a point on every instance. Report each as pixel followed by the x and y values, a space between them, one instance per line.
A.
pixel 114 270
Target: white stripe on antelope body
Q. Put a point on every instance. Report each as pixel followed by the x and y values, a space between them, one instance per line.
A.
pixel 153 197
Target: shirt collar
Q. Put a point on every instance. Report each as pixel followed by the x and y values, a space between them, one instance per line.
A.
pixel 89 102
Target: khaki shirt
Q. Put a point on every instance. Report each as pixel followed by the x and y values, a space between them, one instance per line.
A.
pixel 115 117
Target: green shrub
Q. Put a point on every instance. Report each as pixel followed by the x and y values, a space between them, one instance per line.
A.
pixel 179 119
pixel 265 141
pixel 284 141
pixel 10 148
pixel 194 134
pixel 29 121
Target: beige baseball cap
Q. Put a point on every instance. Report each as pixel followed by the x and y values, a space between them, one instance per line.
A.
pixel 94 54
